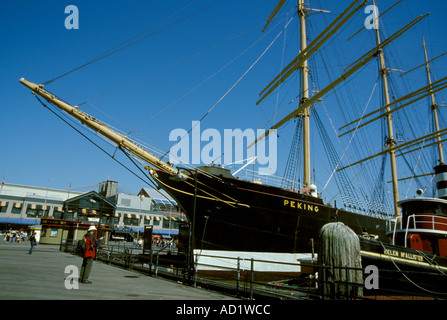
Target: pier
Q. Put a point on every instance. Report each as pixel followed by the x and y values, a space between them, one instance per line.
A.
pixel 43 275
pixel 51 273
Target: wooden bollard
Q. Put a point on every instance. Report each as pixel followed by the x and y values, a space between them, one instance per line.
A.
pixel 339 252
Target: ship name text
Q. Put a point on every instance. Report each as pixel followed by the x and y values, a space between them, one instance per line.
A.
pixel 300 205
pixel 403 255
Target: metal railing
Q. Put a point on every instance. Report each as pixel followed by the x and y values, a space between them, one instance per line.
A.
pixel 272 180
pixel 251 282
pixel 416 222
pixel 242 278
pixel 125 254
pixel 433 222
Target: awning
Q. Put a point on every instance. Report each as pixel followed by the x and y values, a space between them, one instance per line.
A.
pixel 165 231
pixel 164 202
pixel 19 221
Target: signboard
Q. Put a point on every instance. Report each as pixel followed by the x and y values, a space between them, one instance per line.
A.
pixel 183 238
pixel 147 244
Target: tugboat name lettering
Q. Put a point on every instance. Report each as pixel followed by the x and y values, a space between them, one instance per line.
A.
pixel 404 255
pixel 301 206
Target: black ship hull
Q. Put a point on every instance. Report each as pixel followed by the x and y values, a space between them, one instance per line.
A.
pixel 237 215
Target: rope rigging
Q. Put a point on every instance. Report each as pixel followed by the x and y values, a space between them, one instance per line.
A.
pixel 148 182
pixel 291 170
pixel 208 195
pixel 125 44
pixel 235 84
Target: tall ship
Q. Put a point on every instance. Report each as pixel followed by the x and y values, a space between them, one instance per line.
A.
pixel 232 215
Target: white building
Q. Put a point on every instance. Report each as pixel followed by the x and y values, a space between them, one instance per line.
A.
pixel 22 206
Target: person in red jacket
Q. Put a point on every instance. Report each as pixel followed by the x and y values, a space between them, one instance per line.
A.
pixel 89 254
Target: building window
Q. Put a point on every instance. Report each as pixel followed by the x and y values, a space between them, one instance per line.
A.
pixel 115 219
pixel 164 205
pixel 57 212
pixel 57 215
pixel 165 223
pixel 44 211
pixel 170 223
pixel 17 208
pixel 3 206
pixel 110 220
pixel 131 220
pixel 174 223
pixel 68 215
pixel 37 211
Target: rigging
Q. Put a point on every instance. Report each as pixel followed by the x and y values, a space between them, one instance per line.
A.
pixel 125 44
pixel 94 143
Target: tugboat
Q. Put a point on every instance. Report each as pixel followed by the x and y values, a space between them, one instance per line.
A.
pixel 415 262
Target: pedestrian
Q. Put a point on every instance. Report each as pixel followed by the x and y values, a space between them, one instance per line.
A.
pixel 33 242
pixel 90 253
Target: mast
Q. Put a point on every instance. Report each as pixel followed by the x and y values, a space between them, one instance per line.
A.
pixel 101 128
pixel 434 107
pixel 391 143
pixel 300 62
pixel 305 91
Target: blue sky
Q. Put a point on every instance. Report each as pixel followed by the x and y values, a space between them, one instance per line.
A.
pixel 39 149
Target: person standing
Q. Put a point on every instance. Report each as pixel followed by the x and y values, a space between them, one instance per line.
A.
pixel 89 254
pixel 33 241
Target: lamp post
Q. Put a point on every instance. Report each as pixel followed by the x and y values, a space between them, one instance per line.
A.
pixel 190 259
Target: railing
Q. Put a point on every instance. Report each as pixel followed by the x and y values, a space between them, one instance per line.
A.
pixel 124 254
pixel 242 278
pixel 272 180
pixel 318 282
pixel 246 280
pixel 418 222
pixel 425 221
